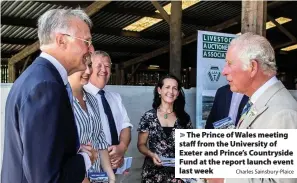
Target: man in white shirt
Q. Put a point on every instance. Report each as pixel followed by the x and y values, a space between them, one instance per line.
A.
pixel 250 69
pixel 115 121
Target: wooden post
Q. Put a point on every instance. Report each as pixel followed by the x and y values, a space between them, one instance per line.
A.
pixel 11 73
pixel 122 76
pixel 175 38
pixel 118 74
pixel 25 64
pixel 253 17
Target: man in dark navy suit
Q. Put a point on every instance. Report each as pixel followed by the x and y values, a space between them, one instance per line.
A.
pixel 226 103
pixel 41 140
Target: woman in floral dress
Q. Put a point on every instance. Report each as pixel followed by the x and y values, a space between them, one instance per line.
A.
pixel 156 130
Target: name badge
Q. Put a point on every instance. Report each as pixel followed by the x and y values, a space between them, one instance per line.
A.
pixel 98 177
pixel 226 123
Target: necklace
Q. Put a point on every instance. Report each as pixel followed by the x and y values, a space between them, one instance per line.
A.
pixel 166 113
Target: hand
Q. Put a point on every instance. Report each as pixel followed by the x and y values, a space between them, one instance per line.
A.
pixel 116 154
pixel 92 153
pixel 86 180
pixel 156 160
pixel 117 163
pixel 116 151
pixel 213 180
pixel 111 181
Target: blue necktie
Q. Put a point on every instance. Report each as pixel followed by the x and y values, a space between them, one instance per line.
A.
pixel 112 126
pixel 245 111
pixel 69 91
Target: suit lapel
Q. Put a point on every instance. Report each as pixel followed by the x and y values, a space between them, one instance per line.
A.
pixel 261 104
pixel 251 116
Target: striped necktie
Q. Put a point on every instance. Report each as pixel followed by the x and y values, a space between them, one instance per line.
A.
pixel 245 111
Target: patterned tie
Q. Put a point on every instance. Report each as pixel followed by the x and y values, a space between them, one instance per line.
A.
pixel 69 91
pixel 245 111
pixel 108 112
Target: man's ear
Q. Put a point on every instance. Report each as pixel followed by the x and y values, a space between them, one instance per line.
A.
pixel 61 40
pixel 254 66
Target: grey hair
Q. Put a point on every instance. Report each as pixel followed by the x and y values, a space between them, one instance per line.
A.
pixel 250 46
pixel 102 53
pixel 57 20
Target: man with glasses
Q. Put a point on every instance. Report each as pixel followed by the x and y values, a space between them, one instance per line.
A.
pixel 41 140
pixel 87 42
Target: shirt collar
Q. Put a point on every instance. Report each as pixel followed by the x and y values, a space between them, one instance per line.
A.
pixel 62 71
pixel 263 88
pixel 91 88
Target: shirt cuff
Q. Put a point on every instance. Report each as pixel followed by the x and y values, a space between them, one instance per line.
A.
pixel 87 160
pixel 126 125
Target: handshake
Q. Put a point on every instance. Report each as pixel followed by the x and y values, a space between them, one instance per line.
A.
pixel 92 153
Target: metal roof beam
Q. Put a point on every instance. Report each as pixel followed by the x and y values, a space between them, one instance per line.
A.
pixel 112 48
pixel 22 22
pixel 18 41
pixel 7 54
pixel 145 13
pixel 128 48
pixel 121 32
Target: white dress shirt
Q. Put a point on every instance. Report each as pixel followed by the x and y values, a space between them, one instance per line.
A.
pixel 118 110
pixel 235 102
pixel 62 71
pixel 263 88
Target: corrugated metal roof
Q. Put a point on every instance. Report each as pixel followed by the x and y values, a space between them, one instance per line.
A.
pixel 212 12
pixel 26 9
pixel 164 27
pixel 144 5
pixel 18 32
pixel 118 40
pixel 11 47
pixel 115 20
pixel 206 13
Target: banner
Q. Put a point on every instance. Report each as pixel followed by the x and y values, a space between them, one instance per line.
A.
pixel 211 53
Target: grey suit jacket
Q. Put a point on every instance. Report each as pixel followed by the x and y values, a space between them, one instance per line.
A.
pixel 275 109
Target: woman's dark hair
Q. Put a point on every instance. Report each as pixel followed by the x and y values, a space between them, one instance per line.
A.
pixel 179 103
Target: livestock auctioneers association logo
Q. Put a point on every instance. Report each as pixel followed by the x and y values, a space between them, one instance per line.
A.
pixel 214 73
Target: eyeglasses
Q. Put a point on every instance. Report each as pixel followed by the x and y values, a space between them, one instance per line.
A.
pixel 88 42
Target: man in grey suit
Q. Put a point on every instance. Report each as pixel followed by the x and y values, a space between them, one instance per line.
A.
pixel 250 69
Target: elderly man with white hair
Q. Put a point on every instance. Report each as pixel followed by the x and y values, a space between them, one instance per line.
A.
pixel 250 69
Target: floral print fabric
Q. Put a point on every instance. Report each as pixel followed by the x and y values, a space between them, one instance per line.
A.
pixel 162 145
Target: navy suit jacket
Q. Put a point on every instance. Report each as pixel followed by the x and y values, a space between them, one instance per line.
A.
pixel 221 106
pixel 40 131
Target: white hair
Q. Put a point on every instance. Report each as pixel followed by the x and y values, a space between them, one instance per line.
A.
pixel 57 20
pixel 250 46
